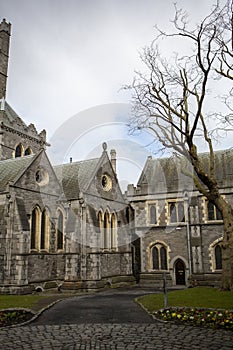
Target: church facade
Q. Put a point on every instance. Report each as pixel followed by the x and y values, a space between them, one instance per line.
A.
pixel 178 231
pixel 62 227
pixel 69 227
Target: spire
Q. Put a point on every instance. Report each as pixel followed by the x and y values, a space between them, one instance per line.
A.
pixel 5 32
pixel 113 159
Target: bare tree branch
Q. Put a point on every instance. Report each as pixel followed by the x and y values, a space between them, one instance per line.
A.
pixel 171 99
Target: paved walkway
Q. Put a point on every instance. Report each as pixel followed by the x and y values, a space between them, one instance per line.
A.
pixel 111 306
pixel 108 320
pixel 114 336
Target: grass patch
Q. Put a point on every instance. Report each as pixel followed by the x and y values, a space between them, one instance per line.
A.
pixel 12 307
pixel 200 297
pixel 22 301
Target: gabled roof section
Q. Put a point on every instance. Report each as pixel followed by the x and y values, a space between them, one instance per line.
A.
pixel 13 116
pixel 10 118
pixel 74 177
pixel 11 169
pixel 165 174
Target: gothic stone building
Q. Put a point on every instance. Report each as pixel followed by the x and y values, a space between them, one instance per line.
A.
pixel 70 227
pixel 60 227
pixel 178 231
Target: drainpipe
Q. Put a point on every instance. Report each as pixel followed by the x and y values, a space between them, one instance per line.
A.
pixel 186 201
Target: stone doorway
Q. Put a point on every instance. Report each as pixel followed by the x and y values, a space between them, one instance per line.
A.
pixel 180 272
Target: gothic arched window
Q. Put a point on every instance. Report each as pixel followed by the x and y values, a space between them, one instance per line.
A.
pixel 60 228
pixel 163 258
pixel 173 212
pixel 28 151
pixel 45 230
pixel 153 216
pixel 218 257
pixel 35 224
pixel 19 151
pixel 106 231
pixel 114 231
pixel 181 212
pixel 213 212
pixel 159 257
pixel 176 212
pixel 155 258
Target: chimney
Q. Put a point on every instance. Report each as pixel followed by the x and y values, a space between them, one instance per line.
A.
pixel 5 32
pixel 113 159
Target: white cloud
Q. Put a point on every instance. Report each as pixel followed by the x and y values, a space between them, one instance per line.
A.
pixel 68 56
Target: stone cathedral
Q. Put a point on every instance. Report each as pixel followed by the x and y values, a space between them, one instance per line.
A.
pixel 62 227
pixel 69 227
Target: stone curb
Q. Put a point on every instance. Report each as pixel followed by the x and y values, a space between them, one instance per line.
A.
pixel 164 321
pixel 149 313
pixel 36 315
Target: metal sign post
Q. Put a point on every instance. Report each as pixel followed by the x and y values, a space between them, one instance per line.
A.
pixel 165 289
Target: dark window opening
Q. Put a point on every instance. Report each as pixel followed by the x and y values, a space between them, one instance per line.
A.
pixel 33 228
pixel 60 231
pixel 163 257
pixel 28 151
pixel 218 257
pixel 18 151
pixel 153 217
pixel 155 257
pixel 43 230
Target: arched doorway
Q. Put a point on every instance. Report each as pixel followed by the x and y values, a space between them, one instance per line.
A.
pixel 180 272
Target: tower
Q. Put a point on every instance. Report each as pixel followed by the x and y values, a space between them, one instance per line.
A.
pixel 5 32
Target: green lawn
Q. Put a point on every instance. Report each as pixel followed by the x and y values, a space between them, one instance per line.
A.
pixel 24 301
pixel 204 297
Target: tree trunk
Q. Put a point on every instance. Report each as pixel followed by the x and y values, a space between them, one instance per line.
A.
pixel 227 253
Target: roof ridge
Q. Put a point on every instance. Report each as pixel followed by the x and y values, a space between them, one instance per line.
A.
pixel 75 163
pixel 223 151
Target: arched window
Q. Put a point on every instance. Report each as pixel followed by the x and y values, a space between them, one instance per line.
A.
pixel 60 235
pixel 19 151
pixel 106 230
pixel 213 212
pixel 180 212
pixel 45 230
pixel 28 151
pixel 100 243
pixel 114 231
pixel 173 213
pixel 159 257
pixel 153 216
pixel 35 224
pixel 176 211
pixel 218 257
pixel 155 258
pixel 210 207
pixel 163 258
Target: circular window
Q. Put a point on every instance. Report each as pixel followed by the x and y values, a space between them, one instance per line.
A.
pixel 42 177
pixel 106 182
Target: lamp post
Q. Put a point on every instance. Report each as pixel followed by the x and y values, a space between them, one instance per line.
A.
pixel 186 201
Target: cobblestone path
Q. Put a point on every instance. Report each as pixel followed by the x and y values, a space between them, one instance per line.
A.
pixel 114 336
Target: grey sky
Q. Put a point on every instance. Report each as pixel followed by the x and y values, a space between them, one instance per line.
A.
pixel 70 55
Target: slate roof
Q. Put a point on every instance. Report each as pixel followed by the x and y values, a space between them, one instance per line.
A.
pixel 11 169
pixel 74 177
pixel 13 116
pixel 164 174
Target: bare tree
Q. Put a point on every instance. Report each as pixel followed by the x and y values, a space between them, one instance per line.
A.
pixel 172 99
